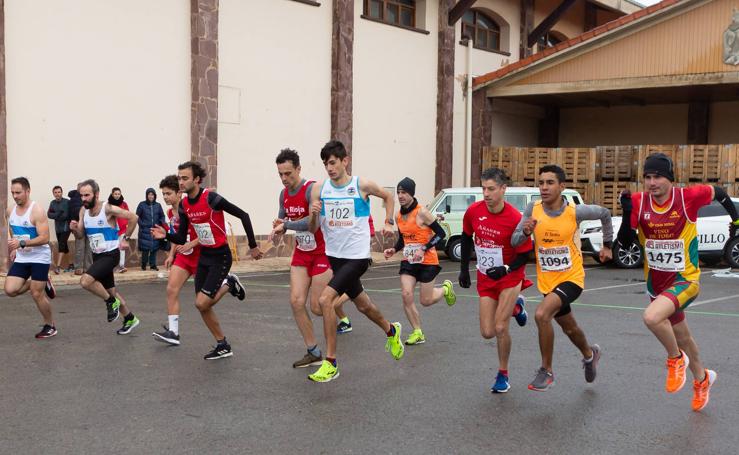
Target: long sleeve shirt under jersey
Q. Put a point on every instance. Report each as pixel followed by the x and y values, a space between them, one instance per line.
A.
pixel 298 225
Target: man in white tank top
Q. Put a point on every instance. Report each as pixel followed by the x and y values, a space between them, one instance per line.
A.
pixel 340 205
pixel 98 221
pixel 29 249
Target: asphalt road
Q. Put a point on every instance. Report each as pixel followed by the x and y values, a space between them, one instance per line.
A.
pixel 90 391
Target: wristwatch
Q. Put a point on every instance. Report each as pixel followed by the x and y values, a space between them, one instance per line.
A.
pixel 391 222
pixel 22 243
pixel 126 237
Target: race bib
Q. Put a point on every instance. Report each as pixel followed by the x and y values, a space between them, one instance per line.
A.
pixel 488 257
pixel 409 251
pixel 340 212
pixel 555 259
pixel 97 243
pixel 306 240
pixel 25 237
pixel 205 234
pixel 665 255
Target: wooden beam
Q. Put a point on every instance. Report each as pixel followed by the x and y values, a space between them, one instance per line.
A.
pixel 549 21
pixel 458 10
pixel 527 24
pixel 591 16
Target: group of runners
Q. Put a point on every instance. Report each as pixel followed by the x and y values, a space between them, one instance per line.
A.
pixel 330 222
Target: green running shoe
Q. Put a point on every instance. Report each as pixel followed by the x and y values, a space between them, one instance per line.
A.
pixel 327 373
pixel 416 337
pixel 393 344
pixel 449 295
pixel 113 309
pixel 128 326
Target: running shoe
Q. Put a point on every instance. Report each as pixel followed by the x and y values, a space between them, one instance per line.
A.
pixel 220 351
pixel 501 384
pixel 308 360
pixel 50 289
pixel 235 287
pixel 393 344
pixel 113 309
pixel 590 367
pixel 327 373
pixel 128 325
pixel 167 336
pixel 416 337
pixel 449 295
pixel 676 369
pixel 543 381
pixel 47 331
pixel 344 326
pixel 701 390
pixel 521 316
pixel 57 270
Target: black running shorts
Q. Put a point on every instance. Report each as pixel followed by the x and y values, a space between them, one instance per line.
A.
pixel 568 292
pixel 423 273
pixel 102 267
pixel 62 238
pixel 213 267
pixel 347 274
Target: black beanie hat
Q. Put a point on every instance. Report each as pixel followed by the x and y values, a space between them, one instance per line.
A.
pixel 660 164
pixel 407 185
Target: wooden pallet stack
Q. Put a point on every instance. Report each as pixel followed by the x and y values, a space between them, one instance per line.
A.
pixel 600 174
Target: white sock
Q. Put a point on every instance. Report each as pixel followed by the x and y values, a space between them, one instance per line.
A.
pixel 174 322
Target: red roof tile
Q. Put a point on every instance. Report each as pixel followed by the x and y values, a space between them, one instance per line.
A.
pixel 620 22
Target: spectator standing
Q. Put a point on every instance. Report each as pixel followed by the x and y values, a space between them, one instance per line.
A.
pixel 116 198
pixel 82 252
pixel 59 212
pixel 150 214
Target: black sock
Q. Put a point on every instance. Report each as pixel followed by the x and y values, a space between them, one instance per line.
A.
pixel 110 299
pixel 128 317
pixel 392 331
pixel 222 342
pixel 332 360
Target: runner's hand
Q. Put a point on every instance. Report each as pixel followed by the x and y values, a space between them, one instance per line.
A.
pixel 158 232
pixel 277 231
pixel 168 262
pixel 13 244
pixel 12 255
pixel 73 225
pixel 387 231
pixel 606 254
pixel 528 226
pixel 464 278
pixel 389 253
pixel 496 273
pixel 123 243
pixel 418 256
pixel 182 249
pixel 625 200
pixel 256 253
pixel 315 208
pixel 277 221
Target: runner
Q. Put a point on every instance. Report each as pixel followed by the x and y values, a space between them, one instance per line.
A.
pixel 309 268
pixel 345 325
pixel 666 219
pixel 500 267
pixel 98 220
pixel 340 205
pixel 559 267
pixel 418 234
pixel 30 252
pixel 203 209
pixel 182 263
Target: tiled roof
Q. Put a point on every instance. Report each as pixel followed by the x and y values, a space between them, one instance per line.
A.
pixel 620 22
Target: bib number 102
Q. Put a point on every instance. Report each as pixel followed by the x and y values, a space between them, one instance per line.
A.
pixel 339 213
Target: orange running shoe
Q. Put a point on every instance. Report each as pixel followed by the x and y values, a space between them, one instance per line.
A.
pixel 701 390
pixel 676 372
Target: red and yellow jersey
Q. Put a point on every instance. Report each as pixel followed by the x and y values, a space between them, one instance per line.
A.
pixel 415 236
pixel 557 246
pixel 669 235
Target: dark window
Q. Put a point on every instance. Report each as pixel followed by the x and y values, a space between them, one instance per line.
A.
pixel 551 39
pixel 482 29
pixel 398 12
pixel 714 209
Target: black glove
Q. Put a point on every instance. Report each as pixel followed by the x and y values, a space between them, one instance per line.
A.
pixel 733 230
pixel 496 273
pixel 626 203
pixel 464 278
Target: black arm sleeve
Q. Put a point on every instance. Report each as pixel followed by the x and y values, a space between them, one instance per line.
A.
pixel 439 235
pixel 626 235
pixel 218 202
pixel 466 253
pixel 519 261
pixel 400 243
pixel 720 195
pixel 180 237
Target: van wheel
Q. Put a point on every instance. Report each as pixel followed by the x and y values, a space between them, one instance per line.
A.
pixel 454 250
pixel 627 258
pixel 731 253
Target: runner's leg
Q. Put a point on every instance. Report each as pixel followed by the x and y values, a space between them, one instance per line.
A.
pixel 575 333
pixel 430 294
pixel 687 343
pixel 655 318
pixel 506 301
pixel 544 314
pixel 300 283
pixel 407 286
pixel 42 303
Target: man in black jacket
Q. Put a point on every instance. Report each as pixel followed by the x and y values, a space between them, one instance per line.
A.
pixel 82 252
pixel 59 212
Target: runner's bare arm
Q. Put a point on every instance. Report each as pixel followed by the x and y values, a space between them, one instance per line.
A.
pixel 39 219
pixel 373 189
pixel 524 228
pixel 117 212
pixel 315 207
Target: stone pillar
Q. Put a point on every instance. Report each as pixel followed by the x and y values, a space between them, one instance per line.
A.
pixel 3 148
pixel 342 73
pixel 204 86
pixel 482 131
pixel 444 99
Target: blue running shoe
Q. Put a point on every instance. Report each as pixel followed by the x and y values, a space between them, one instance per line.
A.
pixel 501 384
pixel 522 315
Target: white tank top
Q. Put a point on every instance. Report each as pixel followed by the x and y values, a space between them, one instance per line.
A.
pixel 103 237
pixel 23 229
pixel 345 220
